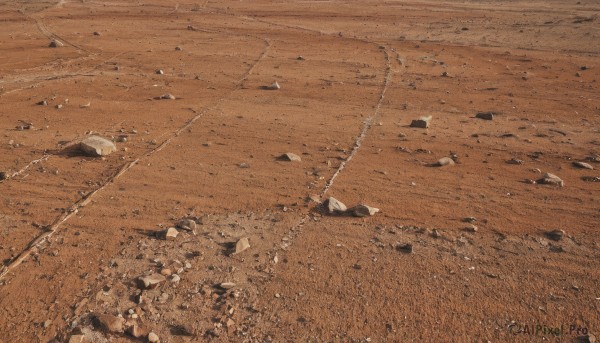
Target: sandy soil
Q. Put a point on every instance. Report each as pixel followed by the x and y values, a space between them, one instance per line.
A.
pixel 78 232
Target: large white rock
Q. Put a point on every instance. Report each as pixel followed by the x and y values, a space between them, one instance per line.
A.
pixel 97 146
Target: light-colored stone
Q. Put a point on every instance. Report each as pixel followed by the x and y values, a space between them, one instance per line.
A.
pixel 175 278
pixel 167 96
pixel 97 146
pixel 288 156
pixel 551 179
pixel 422 122
pixel 583 165
pixel 166 272
pixel 151 281
pixel 227 285
pixel 171 233
pixel 153 338
pixel 78 339
pixel 334 206
pixel 445 161
pixel 110 323
pixel 273 86
pixel 242 245
pixel 137 331
pixel 363 210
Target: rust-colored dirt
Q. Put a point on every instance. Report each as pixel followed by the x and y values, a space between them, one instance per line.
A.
pixel 76 232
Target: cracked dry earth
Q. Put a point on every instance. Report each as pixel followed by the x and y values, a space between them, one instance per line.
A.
pixel 460 253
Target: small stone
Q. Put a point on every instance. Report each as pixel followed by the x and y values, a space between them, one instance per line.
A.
pixel 42 103
pixel 167 96
pixel 230 323
pixel 160 72
pixel 244 165
pixel 555 235
pixel 583 165
pixel 77 339
pixel 47 323
pixel 227 285
pixel 55 44
pixel 166 272
pixel 422 122
pixel 170 233
pixel 471 228
pixel 187 224
pixel 485 115
pixel 515 161
pixel 587 339
pixel 151 281
pixel 242 245
pixel 59 106
pixel 175 278
pixel 436 233
pixel 96 33
pixel 178 48
pixel 444 161
pixel 445 74
pixel 4 175
pixel 137 331
pixel 469 220
pixel 334 206
pixel 274 86
pixel 405 248
pixel 300 58
pixel 551 179
pixel 110 323
pixel 363 211
pixel 153 338
pixel 288 156
pixel 97 146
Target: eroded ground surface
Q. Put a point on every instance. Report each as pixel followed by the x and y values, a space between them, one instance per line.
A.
pixel 77 232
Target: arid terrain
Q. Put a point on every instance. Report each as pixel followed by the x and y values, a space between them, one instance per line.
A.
pixel 201 100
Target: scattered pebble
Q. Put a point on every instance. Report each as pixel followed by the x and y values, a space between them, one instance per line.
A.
pixel 334 206
pixel 187 224
pixel 170 233
pixel 288 156
pixel 167 96
pixel 515 161
pixel 153 338
pixel 109 323
pixel 485 115
pixel 583 165
pixel 151 281
pixel 363 211
pixel 242 245
pixel 56 44
pixel 555 235
pixel 274 86
pixel 444 161
pixel 227 285
pixel 422 122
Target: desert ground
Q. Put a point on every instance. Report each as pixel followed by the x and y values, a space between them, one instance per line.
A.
pixel 488 248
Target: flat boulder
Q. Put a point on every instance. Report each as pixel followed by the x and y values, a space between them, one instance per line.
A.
pixel 97 146
pixel 290 157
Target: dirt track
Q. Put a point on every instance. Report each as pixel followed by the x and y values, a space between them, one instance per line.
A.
pixel 77 232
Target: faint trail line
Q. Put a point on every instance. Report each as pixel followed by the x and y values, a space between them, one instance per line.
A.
pixel 367 124
pixel 35 244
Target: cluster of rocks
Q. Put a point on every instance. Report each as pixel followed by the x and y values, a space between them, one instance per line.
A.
pixel 336 207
